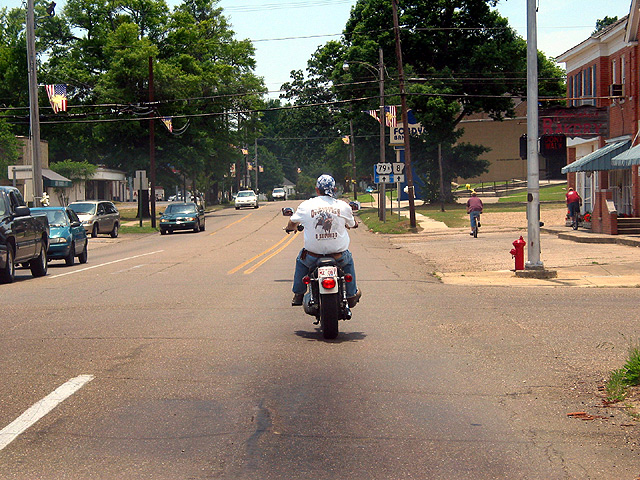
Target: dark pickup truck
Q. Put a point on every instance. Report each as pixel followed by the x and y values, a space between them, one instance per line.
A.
pixel 23 238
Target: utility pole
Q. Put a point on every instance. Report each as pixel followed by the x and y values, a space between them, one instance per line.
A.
pixel 255 160
pixel 34 111
pixel 405 117
pixel 353 159
pixel 383 121
pixel 533 172
pixel 152 147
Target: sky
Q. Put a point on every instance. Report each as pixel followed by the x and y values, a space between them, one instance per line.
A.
pixel 287 32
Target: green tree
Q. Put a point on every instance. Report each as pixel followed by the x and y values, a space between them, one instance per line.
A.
pixel 461 57
pixel 603 23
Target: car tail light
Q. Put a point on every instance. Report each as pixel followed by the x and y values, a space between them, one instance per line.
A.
pixel 306 279
pixel 348 278
pixel 329 283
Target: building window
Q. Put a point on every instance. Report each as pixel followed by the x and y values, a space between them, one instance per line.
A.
pixel 614 71
pixel 570 91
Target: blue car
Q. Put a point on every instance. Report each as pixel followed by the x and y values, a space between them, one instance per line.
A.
pixel 67 237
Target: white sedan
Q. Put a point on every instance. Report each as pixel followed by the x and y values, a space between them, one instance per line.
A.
pixel 246 198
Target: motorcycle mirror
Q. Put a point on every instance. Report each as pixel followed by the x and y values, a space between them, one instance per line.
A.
pixel 287 211
pixel 355 206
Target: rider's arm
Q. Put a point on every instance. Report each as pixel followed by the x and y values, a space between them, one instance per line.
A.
pixel 291 226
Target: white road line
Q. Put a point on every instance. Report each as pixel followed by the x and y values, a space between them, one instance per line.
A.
pixel 104 264
pixel 38 410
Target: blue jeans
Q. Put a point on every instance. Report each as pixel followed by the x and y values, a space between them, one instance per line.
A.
pixel 303 267
pixel 474 216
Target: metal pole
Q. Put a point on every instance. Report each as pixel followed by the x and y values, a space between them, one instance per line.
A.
pixel 405 118
pixel 34 112
pixel 152 147
pixel 353 159
pixel 533 173
pixel 383 195
pixel 255 160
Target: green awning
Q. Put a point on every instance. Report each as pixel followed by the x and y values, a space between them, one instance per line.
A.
pixel 53 179
pixel 601 159
pixel 628 158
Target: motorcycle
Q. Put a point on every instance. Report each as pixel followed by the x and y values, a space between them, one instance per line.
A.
pixel 326 297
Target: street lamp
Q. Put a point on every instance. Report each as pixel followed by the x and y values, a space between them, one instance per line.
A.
pixel 380 75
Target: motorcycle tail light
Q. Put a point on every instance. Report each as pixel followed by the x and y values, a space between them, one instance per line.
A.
pixel 306 280
pixel 348 278
pixel 329 283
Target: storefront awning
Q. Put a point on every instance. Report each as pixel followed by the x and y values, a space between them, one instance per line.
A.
pixel 601 159
pixel 628 158
pixel 53 179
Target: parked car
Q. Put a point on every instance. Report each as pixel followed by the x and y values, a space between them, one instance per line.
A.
pixel 246 198
pixel 67 237
pixel 182 216
pixel 98 216
pixel 24 238
pixel 279 194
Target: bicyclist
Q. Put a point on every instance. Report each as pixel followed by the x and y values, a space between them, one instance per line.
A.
pixel 474 209
pixel 573 204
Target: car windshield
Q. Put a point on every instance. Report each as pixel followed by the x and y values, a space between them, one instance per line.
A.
pixel 246 194
pixel 83 208
pixel 278 190
pixel 173 209
pixel 56 218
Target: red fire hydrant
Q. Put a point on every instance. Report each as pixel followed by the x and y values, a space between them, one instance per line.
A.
pixel 518 253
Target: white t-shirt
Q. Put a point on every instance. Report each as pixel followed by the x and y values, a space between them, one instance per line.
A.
pixel 324 219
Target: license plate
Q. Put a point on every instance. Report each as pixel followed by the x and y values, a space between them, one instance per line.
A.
pixel 327 271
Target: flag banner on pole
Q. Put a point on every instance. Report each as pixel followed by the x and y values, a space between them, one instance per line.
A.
pixel 57 97
pixel 167 123
pixel 346 139
pixel 411 117
pixel 245 151
pixel 373 113
pixel 391 113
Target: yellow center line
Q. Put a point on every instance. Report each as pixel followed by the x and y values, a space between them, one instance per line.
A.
pixel 234 270
pixel 233 223
pixel 264 260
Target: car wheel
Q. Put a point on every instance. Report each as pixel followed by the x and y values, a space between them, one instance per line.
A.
pixel 196 229
pixel 202 227
pixel 237 208
pixel 94 230
pixel 82 258
pixel 71 258
pixel 163 231
pixel 8 273
pixel 114 232
pixel 39 265
pixel 255 206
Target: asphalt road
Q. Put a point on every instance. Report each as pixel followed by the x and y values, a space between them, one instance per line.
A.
pixel 190 363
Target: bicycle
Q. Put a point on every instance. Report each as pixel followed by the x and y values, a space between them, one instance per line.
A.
pixel 475 222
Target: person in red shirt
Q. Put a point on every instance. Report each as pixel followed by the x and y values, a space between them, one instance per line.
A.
pixel 474 209
pixel 573 204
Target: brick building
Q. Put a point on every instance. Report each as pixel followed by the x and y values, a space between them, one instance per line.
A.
pixel 603 75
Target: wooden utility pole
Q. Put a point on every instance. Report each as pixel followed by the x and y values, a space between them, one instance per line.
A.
pixel 405 118
pixel 152 147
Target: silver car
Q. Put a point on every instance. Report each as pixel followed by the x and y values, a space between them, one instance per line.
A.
pixel 246 198
pixel 97 216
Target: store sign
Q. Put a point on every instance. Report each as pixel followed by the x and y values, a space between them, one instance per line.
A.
pixel 584 122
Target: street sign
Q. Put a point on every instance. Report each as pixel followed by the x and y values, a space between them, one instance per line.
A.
pixel 399 178
pixel 389 178
pixel 398 168
pixel 384 168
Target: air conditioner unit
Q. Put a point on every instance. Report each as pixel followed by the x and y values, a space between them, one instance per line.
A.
pixel 616 90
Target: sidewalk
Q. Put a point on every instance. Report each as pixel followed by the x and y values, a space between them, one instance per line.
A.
pixel 577 258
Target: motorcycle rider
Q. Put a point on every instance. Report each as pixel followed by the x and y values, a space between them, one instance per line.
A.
pixel 325 220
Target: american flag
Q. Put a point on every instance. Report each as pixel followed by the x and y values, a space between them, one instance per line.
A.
pixel 390 113
pixel 168 123
pixel 57 97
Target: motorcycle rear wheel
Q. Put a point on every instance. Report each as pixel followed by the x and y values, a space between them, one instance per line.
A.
pixel 329 310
